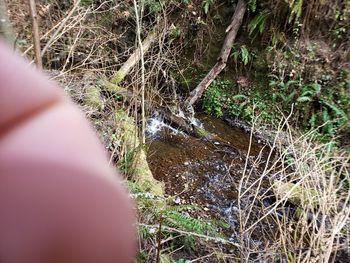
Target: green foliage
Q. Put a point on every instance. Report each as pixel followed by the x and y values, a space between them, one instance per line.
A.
pixel 258 22
pixel 182 261
pixel 214 97
pixel 125 164
pixel 86 2
pixel 278 38
pixel 316 107
pixel 219 98
pixel 296 10
pixel 206 5
pixel 252 5
pixel 242 54
pixel 174 34
pixel 175 217
pixel 185 222
pixel 237 104
pixel 328 113
pixel 153 6
pixel 309 92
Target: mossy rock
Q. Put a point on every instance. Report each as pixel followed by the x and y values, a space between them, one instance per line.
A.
pixel 296 194
pixel 202 133
pixel 93 98
pixel 118 77
pixel 141 172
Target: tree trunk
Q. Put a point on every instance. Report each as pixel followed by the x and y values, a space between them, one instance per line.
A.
pixel 232 30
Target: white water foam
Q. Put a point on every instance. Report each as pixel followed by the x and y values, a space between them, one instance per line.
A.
pixel 156 124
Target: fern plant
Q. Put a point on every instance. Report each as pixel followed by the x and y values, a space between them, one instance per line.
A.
pixel 242 54
pixel 309 92
pixel 252 5
pixel 296 10
pixel 258 23
pixel 187 223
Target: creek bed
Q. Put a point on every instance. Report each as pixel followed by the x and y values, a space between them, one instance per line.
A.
pixel 206 173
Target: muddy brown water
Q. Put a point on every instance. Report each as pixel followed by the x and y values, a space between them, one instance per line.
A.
pixel 204 173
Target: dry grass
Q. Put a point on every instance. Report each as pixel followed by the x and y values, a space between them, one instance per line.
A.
pixel 309 220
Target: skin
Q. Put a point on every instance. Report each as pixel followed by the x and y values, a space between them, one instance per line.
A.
pixel 59 199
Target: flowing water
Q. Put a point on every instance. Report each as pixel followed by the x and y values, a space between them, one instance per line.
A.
pixel 204 173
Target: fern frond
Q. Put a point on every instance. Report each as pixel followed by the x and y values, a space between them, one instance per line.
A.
pixel 258 22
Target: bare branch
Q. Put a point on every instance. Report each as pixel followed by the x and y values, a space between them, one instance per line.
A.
pixel 36 35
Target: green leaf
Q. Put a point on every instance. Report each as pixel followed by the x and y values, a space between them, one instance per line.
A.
pixel 338 111
pixel 304 99
pixel 258 22
pixel 235 55
pixel 290 97
pixel 291 83
pixel 245 55
pixel 206 4
pixel 296 10
pixel 206 8
pixel 252 5
pixel 328 126
pixel 312 120
pixel 238 97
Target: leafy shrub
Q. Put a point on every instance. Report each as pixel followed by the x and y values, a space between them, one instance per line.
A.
pixel 214 97
pixel 153 6
pixel 242 54
pixel 219 98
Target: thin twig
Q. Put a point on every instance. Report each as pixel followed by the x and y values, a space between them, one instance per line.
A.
pixel 36 35
pixel 138 31
pixel 53 38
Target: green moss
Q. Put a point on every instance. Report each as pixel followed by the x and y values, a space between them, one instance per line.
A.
pixel 117 77
pixel 137 165
pixel 93 98
pixel 201 132
pixel 296 194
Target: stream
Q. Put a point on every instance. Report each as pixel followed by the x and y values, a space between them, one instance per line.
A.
pixel 206 173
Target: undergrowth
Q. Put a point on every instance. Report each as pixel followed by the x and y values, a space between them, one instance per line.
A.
pixel 309 214
pixel 317 106
pixel 165 227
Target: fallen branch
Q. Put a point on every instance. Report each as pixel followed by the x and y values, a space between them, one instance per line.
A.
pixel 136 56
pixel 232 30
pixel 184 125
